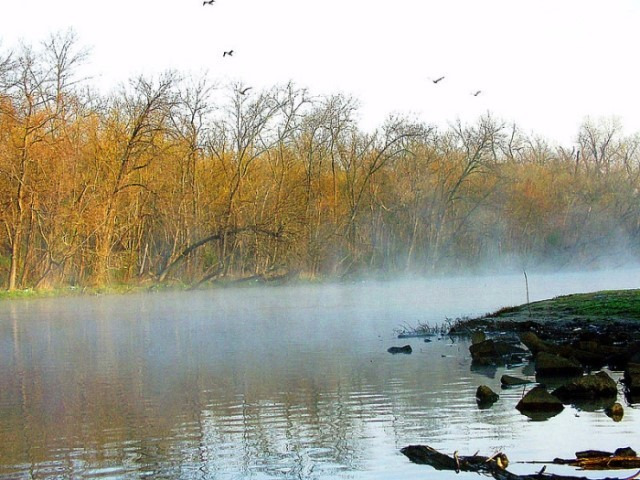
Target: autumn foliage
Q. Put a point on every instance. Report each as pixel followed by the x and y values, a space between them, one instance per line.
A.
pixel 170 179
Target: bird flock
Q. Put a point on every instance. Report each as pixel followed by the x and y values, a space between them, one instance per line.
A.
pixel 435 81
pixel 226 53
pixel 243 91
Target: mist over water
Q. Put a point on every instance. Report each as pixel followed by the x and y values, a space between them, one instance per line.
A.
pixel 279 382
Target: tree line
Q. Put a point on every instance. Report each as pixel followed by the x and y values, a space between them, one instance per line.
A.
pixel 177 179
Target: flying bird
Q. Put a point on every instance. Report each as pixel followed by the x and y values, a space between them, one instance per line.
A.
pixel 230 53
pixel 476 93
pixel 438 79
pixel 208 2
pixel 245 90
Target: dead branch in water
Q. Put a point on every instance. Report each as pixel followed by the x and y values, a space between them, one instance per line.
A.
pixel 495 465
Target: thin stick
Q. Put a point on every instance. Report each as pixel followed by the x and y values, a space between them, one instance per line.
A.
pixel 526 284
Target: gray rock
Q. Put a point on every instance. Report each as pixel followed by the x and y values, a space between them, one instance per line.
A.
pixel 485 396
pixel 491 352
pixel 588 387
pixel 533 342
pixel 550 364
pixel 404 349
pixel 538 400
pixel 511 381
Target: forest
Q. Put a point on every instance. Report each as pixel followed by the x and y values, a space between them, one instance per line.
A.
pixel 175 179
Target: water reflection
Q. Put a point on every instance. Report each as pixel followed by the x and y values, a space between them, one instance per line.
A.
pixel 284 383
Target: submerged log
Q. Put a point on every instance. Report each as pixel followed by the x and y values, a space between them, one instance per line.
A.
pixel 495 465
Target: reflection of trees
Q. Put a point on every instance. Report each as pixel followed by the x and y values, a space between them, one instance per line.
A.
pixel 93 394
pixel 170 396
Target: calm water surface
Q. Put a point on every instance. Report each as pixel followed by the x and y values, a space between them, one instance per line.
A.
pixel 284 382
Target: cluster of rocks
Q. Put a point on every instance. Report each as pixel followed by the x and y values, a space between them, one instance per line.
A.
pixel 539 404
pixel 564 362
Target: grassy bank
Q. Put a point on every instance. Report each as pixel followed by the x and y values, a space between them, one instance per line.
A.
pixel 596 306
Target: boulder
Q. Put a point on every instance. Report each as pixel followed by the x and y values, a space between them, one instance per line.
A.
pixel 405 349
pixel 550 364
pixel 485 396
pixel 588 387
pixel 538 400
pixel 511 381
pixel 491 352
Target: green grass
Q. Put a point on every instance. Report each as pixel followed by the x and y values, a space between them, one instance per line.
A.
pixel 612 303
pixel 615 304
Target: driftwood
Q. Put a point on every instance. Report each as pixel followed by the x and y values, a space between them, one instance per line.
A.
pixel 623 458
pixel 495 465
pixel 600 463
pixel 475 463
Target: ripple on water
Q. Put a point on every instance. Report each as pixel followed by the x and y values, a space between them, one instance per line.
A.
pixel 225 386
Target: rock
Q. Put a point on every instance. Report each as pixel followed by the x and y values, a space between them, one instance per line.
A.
pixel 634 353
pixel 588 387
pixel 538 400
pixel 485 396
pixel 595 358
pixel 405 349
pixel 533 342
pixel 615 412
pixel 478 336
pixel 510 381
pixel 550 364
pixel 491 352
pixel 632 379
pixel 625 452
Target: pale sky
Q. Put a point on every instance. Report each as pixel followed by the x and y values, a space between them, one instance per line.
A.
pixel 545 64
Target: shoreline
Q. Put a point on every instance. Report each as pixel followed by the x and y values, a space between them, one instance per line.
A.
pixel 599 308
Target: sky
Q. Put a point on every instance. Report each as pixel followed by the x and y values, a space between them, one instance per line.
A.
pixel 546 65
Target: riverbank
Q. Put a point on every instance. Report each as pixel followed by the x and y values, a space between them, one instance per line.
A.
pixel 603 308
pixel 120 289
pixel 566 335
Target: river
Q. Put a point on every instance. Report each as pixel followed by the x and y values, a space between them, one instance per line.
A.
pixel 269 383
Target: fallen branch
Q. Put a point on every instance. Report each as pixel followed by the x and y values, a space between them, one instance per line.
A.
pixel 495 465
pixel 601 463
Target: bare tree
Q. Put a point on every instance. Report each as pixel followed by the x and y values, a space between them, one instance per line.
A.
pixel 34 85
pixel 249 127
pixel 135 123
